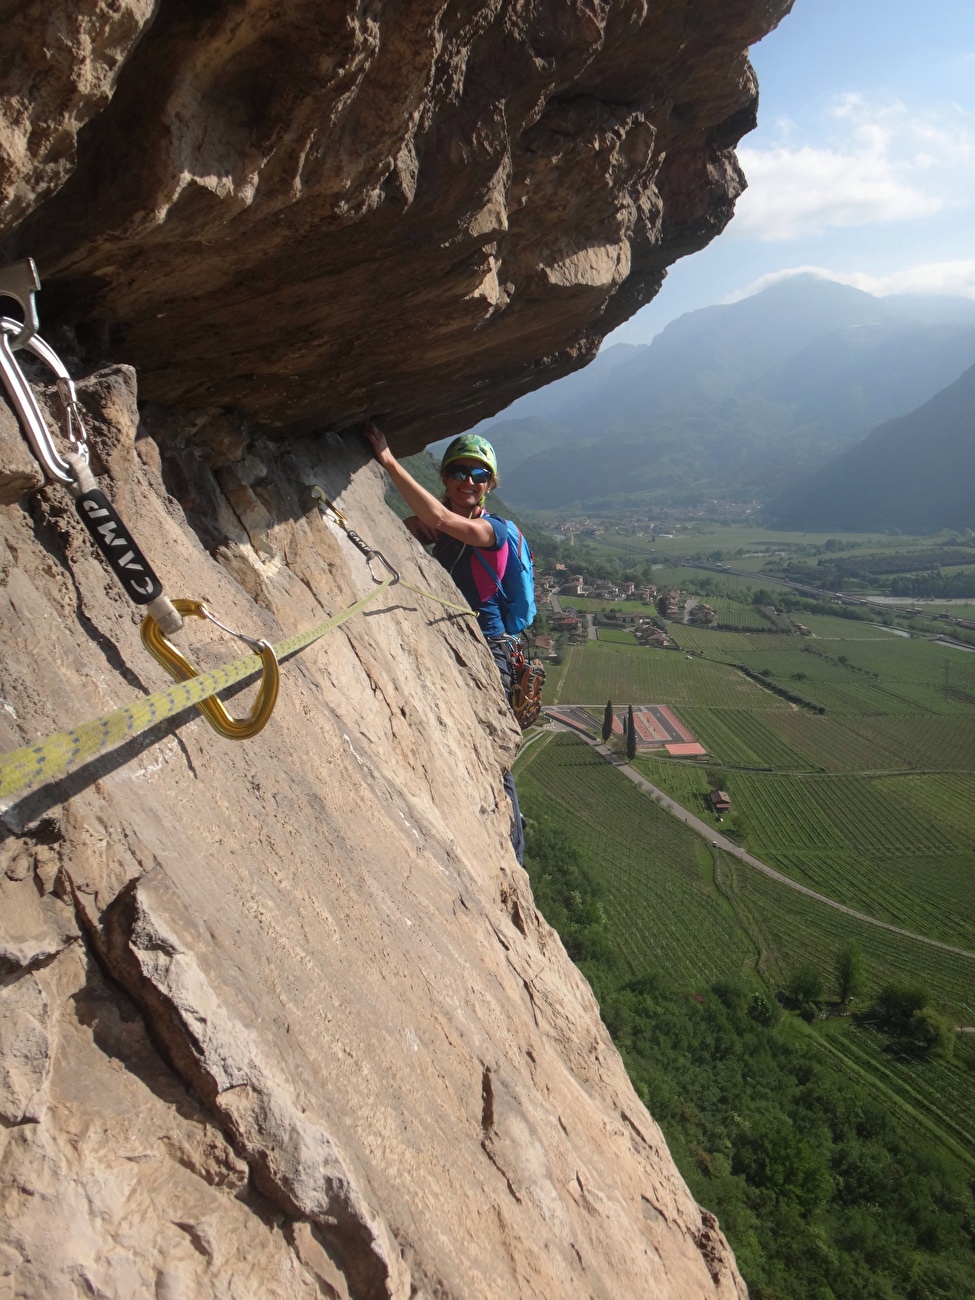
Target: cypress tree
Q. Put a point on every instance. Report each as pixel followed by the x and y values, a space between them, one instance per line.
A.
pixel 850 975
pixel 608 721
pixel 630 736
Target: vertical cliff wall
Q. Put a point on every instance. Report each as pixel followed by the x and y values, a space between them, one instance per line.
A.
pixel 280 1017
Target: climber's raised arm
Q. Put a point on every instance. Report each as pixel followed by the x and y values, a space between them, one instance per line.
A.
pixel 464 492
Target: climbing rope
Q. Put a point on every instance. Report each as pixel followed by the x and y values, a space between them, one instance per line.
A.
pixel 32 765
pixel 27 768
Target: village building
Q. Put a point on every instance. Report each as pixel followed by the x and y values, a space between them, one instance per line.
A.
pixel 652 636
pixel 720 801
pixel 703 615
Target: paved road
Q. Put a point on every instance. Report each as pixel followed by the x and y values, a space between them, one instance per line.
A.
pixel 728 846
pixel 591 618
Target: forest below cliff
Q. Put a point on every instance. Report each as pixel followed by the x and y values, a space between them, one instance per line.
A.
pixel 823 1191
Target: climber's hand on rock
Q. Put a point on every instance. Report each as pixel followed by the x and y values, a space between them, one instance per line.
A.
pixel 377 441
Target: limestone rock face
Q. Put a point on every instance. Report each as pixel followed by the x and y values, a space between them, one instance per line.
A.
pixel 319 211
pixel 58 64
pixel 280 1017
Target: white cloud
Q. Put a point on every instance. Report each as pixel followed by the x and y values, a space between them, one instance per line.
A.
pixel 957 278
pixel 881 163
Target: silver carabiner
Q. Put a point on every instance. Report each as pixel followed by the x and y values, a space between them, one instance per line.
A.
pixel 25 403
pixel 20 282
pixel 331 512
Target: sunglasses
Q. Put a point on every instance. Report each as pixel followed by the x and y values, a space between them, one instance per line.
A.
pixel 476 473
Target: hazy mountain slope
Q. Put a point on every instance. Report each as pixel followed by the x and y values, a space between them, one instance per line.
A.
pixel 915 473
pixel 734 400
pixel 854 378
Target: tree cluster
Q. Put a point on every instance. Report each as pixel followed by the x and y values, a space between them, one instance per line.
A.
pixel 823 1191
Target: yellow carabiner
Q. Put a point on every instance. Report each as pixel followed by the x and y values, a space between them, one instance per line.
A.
pixel 180 668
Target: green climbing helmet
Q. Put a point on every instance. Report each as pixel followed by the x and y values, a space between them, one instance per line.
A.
pixel 469 446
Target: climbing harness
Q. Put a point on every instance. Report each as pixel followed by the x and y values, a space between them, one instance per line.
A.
pixel 163 617
pixel 527 680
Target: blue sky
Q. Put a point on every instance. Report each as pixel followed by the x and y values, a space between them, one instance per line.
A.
pixel 862 168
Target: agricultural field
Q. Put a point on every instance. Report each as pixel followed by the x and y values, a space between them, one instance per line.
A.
pixel 789 927
pixel 701 920
pixel 616 636
pixel 859 842
pixel 941 1095
pixel 729 646
pixel 831 744
pixel 746 737
pixel 741 615
pixel 598 671
pixel 589 605
pixel 831 628
pixel 871 804
pixel 685 782
pixel 856 687
pixel 660 899
pixel 947 798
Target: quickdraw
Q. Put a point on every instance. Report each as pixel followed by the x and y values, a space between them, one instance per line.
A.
pixel 30 766
pixel 334 515
pixel 72 470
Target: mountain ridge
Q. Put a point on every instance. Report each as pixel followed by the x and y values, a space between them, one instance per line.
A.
pixel 754 392
pixel 915 473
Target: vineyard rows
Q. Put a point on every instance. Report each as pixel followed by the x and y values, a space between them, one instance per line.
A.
pixel 926 742
pixel 636 675
pixel 742 738
pixel 793 928
pixel 685 782
pixel 898 845
pixel 867 817
pixel 948 798
pixel 855 881
pixel 856 841
pixel 782 814
pixel 737 614
pixel 661 910
pixel 729 646
pixel 943 1091
pixel 841 690
pixel 831 743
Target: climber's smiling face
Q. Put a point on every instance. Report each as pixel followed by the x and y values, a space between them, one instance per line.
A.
pixel 464 494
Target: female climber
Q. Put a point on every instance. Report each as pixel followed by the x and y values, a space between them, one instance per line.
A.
pixel 458 526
